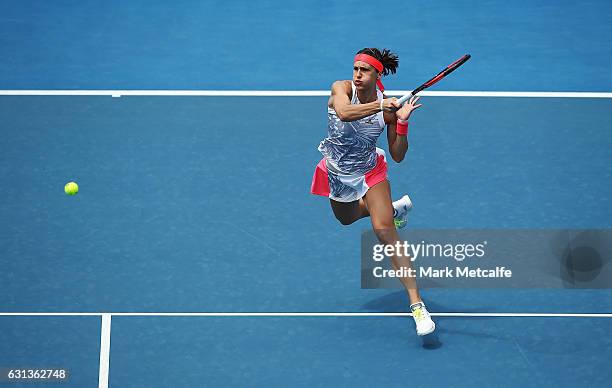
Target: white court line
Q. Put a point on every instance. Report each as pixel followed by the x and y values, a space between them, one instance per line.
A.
pixel 105 337
pixel 293 93
pixel 105 332
pixel 304 314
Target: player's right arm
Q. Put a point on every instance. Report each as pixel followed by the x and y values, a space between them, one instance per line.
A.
pixel 340 101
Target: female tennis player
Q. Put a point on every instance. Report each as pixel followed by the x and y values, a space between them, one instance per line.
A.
pixel 353 171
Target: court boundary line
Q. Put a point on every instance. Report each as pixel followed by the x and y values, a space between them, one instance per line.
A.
pixel 105 337
pixel 108 315
pixel 291 93
pixel 106 318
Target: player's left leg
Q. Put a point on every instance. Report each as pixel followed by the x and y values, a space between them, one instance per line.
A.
pixel 378 201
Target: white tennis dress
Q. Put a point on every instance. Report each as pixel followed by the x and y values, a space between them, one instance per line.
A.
pixel 352 163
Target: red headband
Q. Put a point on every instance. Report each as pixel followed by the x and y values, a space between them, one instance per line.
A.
pixel 370 60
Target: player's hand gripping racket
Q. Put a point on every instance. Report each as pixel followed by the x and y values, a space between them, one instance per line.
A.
pixel 449 69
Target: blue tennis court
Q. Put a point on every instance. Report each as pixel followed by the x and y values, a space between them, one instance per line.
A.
pixel 194 253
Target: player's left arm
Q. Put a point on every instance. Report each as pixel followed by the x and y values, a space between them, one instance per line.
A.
pixel 398 142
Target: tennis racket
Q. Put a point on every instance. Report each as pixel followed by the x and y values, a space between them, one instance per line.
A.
pixel 449 69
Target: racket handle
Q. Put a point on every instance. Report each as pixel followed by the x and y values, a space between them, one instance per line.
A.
pixel 404 98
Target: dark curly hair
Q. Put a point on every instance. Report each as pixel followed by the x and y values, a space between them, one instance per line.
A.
pixel 389 60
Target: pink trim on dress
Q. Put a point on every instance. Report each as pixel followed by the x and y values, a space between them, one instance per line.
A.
pixel 320 179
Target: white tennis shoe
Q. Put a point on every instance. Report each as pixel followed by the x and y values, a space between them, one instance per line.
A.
pixel 422 319
pixel 402 206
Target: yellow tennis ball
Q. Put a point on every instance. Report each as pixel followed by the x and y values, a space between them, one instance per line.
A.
pixel 71 188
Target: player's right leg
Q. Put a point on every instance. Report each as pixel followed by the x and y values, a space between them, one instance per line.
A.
pixel 349 212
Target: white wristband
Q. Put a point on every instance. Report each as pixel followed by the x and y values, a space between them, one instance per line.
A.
pixel 381 104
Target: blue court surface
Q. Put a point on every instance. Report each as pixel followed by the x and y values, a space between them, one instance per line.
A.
pixel 194 254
